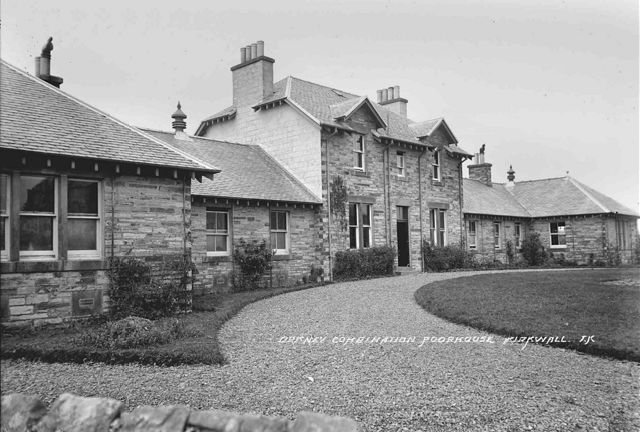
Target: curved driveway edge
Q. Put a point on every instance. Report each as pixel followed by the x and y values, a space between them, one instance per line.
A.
pixel 385 384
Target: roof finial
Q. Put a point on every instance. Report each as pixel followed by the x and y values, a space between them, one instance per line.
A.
pixel 47 48
pixel 178 119
pixel 511 174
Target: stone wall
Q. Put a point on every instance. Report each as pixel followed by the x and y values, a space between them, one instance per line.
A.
pixel 249 222
pixel 140 216
pixel 72 413
pixel 484 236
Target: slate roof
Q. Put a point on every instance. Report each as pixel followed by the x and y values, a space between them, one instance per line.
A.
pixel 325 105
pixel 248 172
pixel 563 196
pixel 37 117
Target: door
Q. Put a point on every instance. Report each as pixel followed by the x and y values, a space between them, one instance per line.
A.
pixel 403 236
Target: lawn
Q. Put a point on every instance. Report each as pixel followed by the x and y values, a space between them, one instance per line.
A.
pixel 602 303
pixel 199 345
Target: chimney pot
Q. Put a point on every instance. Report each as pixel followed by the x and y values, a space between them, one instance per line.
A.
pixel 379 96
pixel 45 67
pixel 396 92
pixel 248 52
pixel 390 93
pixel 260 48
pixel 254 51
pixel 243 55
pixel 385 95
pixel 37 70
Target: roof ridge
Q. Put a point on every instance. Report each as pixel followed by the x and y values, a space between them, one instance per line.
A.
pixel 195 137
pixel 322 85
pixel 587 194
pixel 106 115
pixel 289 174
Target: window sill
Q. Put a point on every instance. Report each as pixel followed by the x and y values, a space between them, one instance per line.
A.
pixel 43 266
pixel 359 173
pixel 216 258
pixel 435 182
pixel 282 257
pixel 558 247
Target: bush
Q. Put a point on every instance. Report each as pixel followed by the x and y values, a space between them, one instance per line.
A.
pixel 139 289
pixel 132 332
pixel 254 259
pixel 532 250
pixel 445 258
pixel 364 263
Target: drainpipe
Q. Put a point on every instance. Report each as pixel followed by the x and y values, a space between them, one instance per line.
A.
pixel 113 216
pixel 420 209
pixel 460 198
pixel 387 195
pixel 326 155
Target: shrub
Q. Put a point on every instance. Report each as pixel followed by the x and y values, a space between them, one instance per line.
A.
pixel 137 288
pixel 315 274
pixel 532 250
pixel 364 263
pixel 510 252
pixel 132 332
pixel 445 258
pixel 254 259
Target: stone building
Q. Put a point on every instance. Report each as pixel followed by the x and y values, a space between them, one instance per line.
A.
pixel 403 179
pixel 76 188
pixel 575 222
pixel 252 198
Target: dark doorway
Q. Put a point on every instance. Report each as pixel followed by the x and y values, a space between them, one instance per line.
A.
pixel 403 236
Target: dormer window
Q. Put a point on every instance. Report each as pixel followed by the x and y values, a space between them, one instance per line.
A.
pixel 436 165
pixel 358 153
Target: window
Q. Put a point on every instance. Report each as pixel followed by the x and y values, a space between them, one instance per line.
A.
pixel 38 217
pixel 438 229
pixel 4 215
pixel 436 165
pixel 518 235
pixel 217 232
pixel 400 164
pixel 280 231
pixel 359 225
pixel 358 153
pixel 471 235
pixel 558 235
pixel 496 235
pixel 83 219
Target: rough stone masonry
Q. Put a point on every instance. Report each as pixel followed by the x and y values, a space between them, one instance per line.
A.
pixel 72 413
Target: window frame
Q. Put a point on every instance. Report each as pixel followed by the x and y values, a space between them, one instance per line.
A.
pixel 359 152
pixel 276 230
pixel 517 233
pixel 6 215
pixel 400 164
pixel 89 253
pixel 472 245
pixel 497 243
pixel 436 172
pixel 42 255
pixel 557 234
pixel 214 232
pixel 360 226
pixel 438 226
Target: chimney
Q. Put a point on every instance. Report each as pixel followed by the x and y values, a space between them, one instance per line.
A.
pixel 510 178
pixel 253 76
pixel 43 65
pixel 178 124
pixel 390 97
pixel 480 170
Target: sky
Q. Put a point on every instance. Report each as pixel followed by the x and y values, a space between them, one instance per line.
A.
pixel 549 86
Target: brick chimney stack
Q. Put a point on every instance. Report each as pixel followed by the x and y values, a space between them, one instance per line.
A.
pixel 253 76
pixel 390 97
pixel 480 170
pixel 43 65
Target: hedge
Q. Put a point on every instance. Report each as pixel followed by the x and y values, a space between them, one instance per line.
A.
pixel 364 263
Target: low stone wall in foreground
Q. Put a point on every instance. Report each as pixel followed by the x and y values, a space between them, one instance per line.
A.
pixel 72 413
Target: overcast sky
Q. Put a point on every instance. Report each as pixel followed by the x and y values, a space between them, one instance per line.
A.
pixel 549 86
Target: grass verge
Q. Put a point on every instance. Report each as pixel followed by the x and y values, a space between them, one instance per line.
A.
pixel 201 346
pixel 604 304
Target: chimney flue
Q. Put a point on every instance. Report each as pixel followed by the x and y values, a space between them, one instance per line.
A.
pixel 254 51
pixel 260 51
pixel 243 55
pixel 379 96
pixel 390 93
pixel 248 52
pixel 396 92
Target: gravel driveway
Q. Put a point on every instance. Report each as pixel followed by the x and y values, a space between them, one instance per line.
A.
pixel 390 385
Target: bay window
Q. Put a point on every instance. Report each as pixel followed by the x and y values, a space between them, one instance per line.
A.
pixel 359 225
pixel 217 232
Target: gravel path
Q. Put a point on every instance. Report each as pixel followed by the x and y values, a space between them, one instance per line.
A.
pixel 386 386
